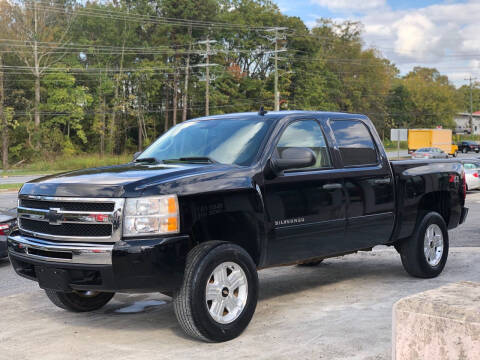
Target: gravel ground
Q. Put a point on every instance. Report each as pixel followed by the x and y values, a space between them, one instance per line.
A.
pixel 338 310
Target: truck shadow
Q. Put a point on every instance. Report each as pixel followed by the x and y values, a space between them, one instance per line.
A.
pixel 296 279
pixel 154 312
pixel 4 262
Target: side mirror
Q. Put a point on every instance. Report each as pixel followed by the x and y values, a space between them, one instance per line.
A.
pixel 136 155
pixel 294 158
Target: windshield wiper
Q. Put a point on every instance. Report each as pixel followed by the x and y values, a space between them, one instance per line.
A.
pixel 150 160
pixel 192 159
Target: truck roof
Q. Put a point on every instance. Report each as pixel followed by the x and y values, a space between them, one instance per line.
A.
pixel 282 114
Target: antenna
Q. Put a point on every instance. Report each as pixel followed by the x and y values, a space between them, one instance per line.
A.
pixel 262 111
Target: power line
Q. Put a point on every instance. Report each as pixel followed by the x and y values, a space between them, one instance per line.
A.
pixel 133 17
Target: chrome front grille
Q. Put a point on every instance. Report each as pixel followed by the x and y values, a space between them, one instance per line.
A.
pixel 71 219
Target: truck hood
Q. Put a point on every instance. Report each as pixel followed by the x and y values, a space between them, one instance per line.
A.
pixel 139 179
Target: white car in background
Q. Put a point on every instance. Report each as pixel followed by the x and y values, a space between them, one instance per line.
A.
pixel 472 173
pixel 429 153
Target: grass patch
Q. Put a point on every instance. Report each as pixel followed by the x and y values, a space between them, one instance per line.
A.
pixel 10 186
pixel 392 145
pixel 64 163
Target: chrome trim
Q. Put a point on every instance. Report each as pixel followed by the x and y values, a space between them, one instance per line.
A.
pixel 114 217
pixel 93 254
pixel 77 217
pixel 67 199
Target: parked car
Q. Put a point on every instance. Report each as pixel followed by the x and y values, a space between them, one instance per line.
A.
pixel 472 173
pixel 454 150
pixel 429 153
pixel 215 199
pixel 7 223
pixel 466 146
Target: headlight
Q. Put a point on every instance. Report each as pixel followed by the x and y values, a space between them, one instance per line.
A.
pixel 151 216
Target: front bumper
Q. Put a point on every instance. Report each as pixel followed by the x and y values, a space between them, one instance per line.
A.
pixel 143 265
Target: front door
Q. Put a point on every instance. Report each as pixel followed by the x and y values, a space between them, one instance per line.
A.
pixel 306 207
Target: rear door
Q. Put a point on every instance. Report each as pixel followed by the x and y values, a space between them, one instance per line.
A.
pixel 306 207
pixel 368 183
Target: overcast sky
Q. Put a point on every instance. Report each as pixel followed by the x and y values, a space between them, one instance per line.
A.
pixel 444 34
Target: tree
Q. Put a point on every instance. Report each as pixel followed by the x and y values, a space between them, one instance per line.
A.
pixel 65 109
pixel 36 33
pixel 435 99
pixel 400 105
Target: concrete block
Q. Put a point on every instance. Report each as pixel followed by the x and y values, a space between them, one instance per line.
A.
pixel 438 324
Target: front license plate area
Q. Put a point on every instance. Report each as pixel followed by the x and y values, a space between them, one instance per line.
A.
pixel 51 278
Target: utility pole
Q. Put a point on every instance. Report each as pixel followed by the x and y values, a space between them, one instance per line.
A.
pixel 3 119
pixel 277 97
pixel 470 79
pixel 185 87
pixel 276 51
pixel 207 72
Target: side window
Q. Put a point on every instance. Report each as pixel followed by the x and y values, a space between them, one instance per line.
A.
pixel 306 133
pixel 355 142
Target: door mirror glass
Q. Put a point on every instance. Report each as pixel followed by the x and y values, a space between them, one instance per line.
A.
pixel 294 158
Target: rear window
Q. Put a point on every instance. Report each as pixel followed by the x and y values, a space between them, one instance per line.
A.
pixel 355 142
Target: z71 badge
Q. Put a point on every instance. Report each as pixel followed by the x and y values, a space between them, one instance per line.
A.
pixel 290 221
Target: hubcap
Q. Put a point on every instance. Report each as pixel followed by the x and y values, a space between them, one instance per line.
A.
pixel 226 292
pixel 433 245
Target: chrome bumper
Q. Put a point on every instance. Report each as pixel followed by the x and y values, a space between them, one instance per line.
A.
pixel 71 253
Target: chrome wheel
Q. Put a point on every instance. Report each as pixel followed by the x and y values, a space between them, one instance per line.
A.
pixel 433 245
pixel 226 292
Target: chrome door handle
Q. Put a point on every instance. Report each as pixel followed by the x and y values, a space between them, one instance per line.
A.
pixel 383 181
pixel 332 186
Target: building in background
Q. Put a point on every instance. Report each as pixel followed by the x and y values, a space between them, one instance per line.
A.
pixel 462 123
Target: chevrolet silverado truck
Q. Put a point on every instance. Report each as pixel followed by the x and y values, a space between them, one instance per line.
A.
pixel 215 199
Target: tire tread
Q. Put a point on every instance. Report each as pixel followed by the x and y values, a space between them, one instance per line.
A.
pixel 182 299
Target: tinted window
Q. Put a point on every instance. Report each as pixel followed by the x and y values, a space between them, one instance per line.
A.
pixel 355 142
pixel 228 141
pixel 306 133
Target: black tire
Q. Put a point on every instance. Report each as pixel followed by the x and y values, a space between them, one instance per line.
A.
pixel 311 263
pixel 477 151
pixel 79 301
pixel 190 303
pixel 464 150
pixel 412 252
pixel 398 247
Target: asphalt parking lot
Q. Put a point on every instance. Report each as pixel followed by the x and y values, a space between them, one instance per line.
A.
pixel 338 310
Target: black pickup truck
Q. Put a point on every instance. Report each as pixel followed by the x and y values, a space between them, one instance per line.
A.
pixel 215 199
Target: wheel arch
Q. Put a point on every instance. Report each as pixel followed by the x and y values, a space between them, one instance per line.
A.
pixel 437 201
pixel 238 227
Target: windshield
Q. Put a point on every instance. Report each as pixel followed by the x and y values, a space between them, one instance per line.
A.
pixel 227 141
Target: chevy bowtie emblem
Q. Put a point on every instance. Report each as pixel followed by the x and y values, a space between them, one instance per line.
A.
pixel 54 217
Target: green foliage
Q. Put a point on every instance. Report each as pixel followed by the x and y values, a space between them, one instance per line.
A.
pixel 110 90
pixel 66 162
pixel 435 100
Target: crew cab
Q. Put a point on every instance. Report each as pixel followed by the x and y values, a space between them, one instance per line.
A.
pixel 215 199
